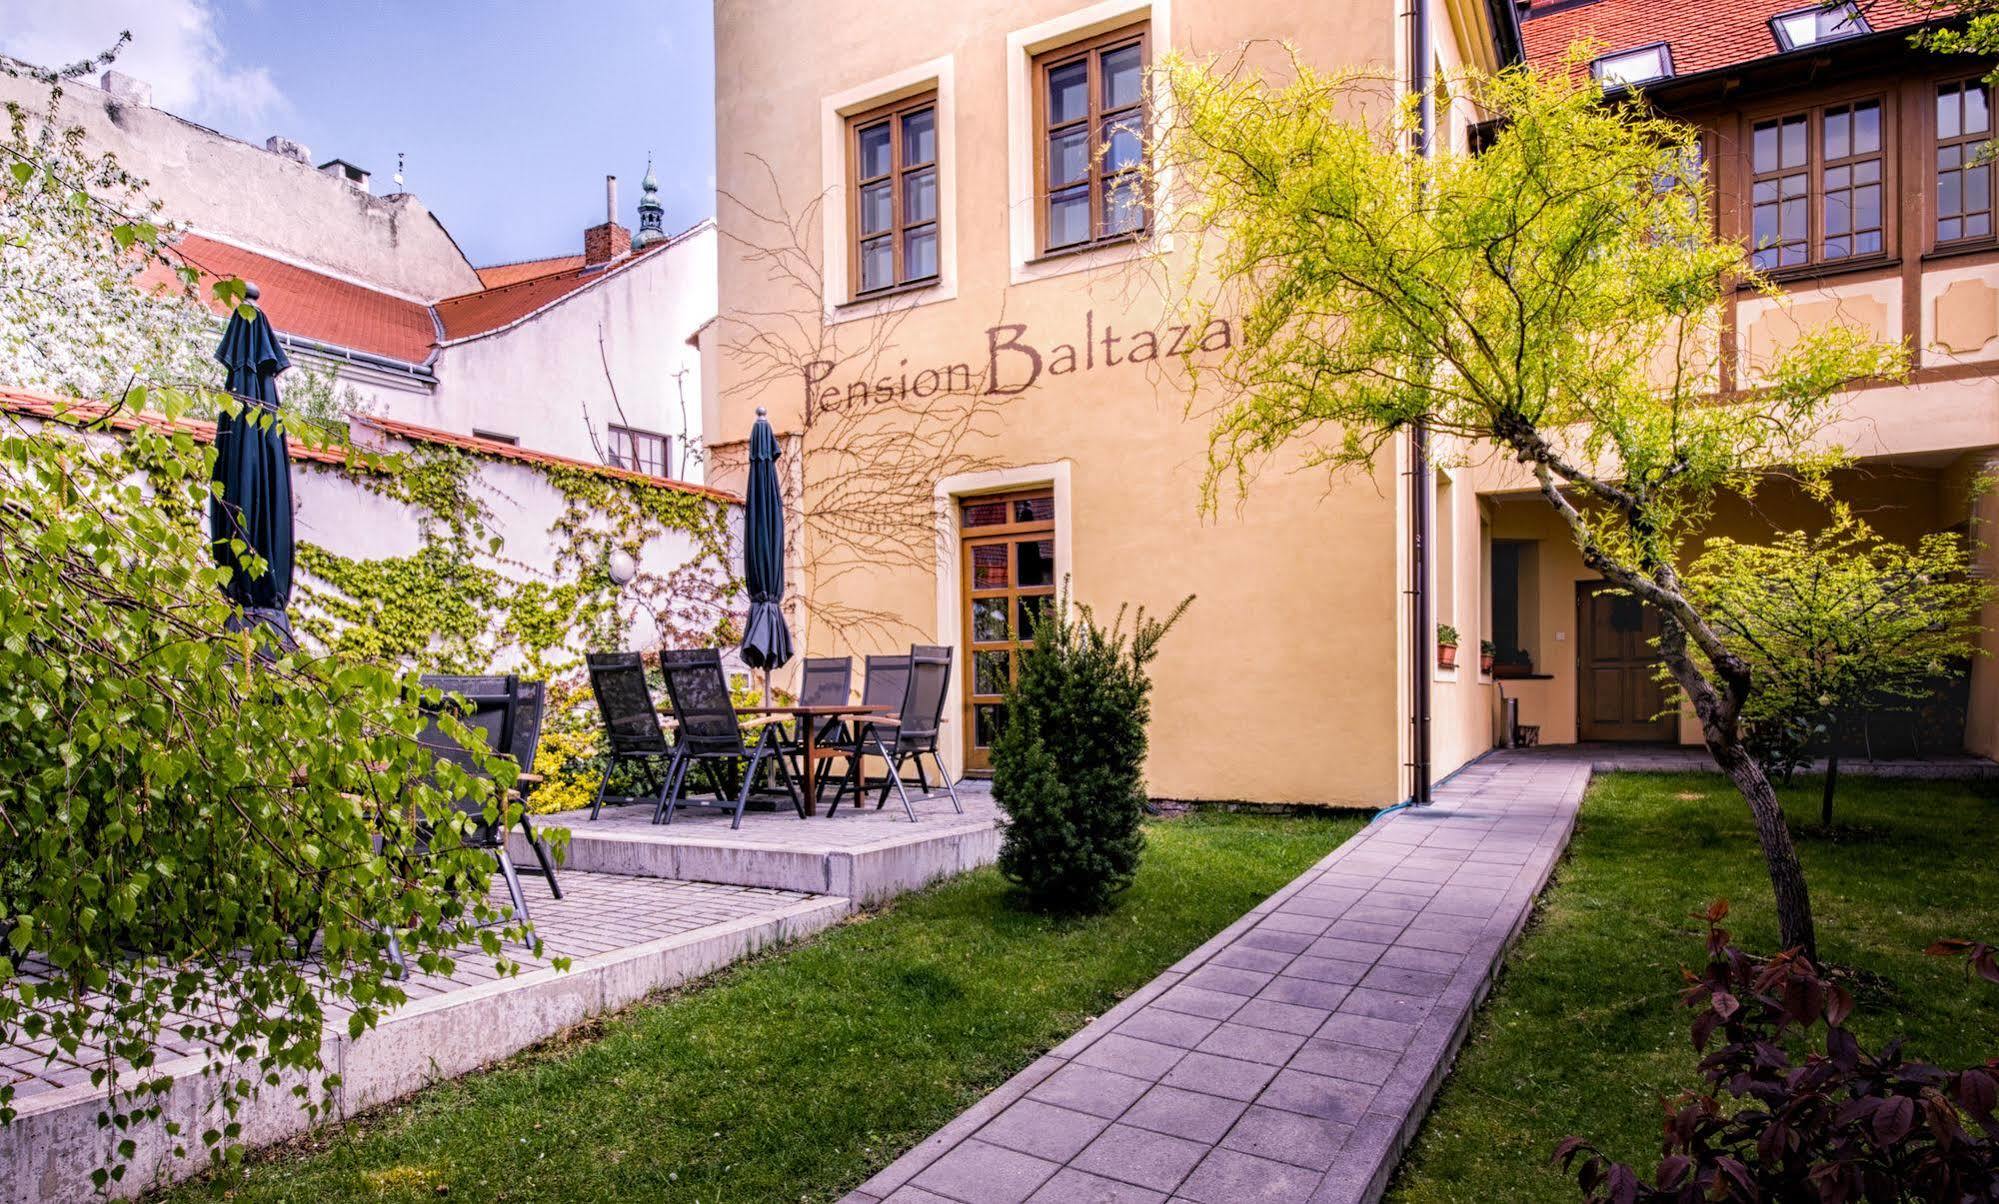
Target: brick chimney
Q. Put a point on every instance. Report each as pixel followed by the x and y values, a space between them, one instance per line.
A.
pixel 602 244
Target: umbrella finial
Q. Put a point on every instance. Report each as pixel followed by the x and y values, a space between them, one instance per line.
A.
pixel 250 290
pixel 760 411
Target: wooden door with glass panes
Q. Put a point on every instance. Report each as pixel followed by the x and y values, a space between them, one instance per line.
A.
pixel 1008 572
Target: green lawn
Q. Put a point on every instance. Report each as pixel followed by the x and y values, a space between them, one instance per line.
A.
pixel 1584 1036
pixel 798 1074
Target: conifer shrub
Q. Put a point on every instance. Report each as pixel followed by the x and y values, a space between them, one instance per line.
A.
pixel 1068 763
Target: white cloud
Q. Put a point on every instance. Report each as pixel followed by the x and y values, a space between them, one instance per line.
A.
pixel 174 47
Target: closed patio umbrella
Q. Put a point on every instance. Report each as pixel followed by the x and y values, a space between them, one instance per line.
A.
pixel 253 479
pixel 766 639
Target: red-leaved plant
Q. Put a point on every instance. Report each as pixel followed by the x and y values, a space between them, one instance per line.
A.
pixel 1839 1124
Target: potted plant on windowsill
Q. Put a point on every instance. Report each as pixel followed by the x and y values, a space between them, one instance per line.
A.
pixel 1447 646
pixel 1486 654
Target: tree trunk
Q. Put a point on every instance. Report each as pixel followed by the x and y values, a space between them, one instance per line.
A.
pixel 1787 874
pixel 1831 771
pixel 1719 709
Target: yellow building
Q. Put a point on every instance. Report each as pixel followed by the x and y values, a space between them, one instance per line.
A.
pixel 943 299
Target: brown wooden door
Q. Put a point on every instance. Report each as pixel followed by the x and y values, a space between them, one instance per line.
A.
pixel 1008 575
pixel 1618 693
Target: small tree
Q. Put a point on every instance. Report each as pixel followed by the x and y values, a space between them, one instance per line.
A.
pixel 1068 767
pixel 1840 621
pixel 1555 296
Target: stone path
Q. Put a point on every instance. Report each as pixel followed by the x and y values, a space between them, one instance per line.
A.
pixel 1679 758
pixel 1292 1057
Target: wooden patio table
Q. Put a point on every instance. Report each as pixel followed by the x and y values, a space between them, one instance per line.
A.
pixel 810 719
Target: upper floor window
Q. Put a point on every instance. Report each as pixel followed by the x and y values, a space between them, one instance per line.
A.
pixel 1629 67
pixel 1964 175
pixel 1816 186
pixel 1823 23
pixel 893 194
pixel 640 451
pixel 1089 113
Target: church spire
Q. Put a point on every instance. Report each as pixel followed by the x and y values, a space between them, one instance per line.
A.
pixel 651 212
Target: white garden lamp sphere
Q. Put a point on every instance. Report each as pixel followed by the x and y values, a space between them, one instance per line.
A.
pixel 622 568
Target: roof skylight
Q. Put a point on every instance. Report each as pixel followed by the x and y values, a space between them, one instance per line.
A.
pixel 1628 68
pixel 1824 23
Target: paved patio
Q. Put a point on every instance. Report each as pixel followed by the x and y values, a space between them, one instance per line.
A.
pixel 860 853
pixel 1292 1057
pixel 685 901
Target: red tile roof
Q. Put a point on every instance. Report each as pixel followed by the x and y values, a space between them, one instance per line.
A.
pixel 312 305
pixel 55 409
pixel 526 269
pixel 507 451
pixel 1704 34
pixel 491 308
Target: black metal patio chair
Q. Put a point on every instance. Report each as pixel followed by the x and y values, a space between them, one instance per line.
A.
pixel 632 731
pixel 509 712
pixel 826 681
pixel 884 680
pixel 904 737
pixel 710 733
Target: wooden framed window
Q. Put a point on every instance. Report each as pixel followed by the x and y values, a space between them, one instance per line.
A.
pixel 1817 186
pixel 1089 116
pixel 892 167
pixel 1964 178
pixel 640 451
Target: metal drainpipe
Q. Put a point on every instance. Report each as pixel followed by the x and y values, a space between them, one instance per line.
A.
pixel 1420 615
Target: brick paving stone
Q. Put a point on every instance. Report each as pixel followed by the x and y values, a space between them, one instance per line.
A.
pixel 1307 992
pixel 1319 1095
pixel 1295 1055
pixel 1290 1137
pixel 1284 1017
pixel 1131 1055
pixel 977 1172
pixel 1356 1063
pixel 1229 979
pixel 1168 1028
pixel 1252 1044
pixel 1329 969
pixel 1235 1177
pixel 1103 1093
pixel 1043 1130
pixel 1182 1113
pixel 1133 1155
pixel 1233 1078
pixel 1072 1186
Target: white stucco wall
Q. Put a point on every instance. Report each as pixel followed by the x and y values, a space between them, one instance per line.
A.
pixel 247 195
pixel 544 380
pixel 342 515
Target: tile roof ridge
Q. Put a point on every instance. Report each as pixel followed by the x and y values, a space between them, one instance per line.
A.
pixel 293 261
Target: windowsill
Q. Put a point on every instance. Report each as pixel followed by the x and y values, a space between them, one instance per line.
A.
pixel 1084 248
pixel 1955 250
pixel 900 290
pixel 1083 258
pixel 891 300
pixel 1443 674
pixel 1816 271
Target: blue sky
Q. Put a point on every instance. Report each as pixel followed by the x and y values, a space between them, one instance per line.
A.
pixel 510 113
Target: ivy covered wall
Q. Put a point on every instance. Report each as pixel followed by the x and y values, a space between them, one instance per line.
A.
pixel 452 561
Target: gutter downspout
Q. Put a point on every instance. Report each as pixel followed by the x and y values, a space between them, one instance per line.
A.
pixel 1420 614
